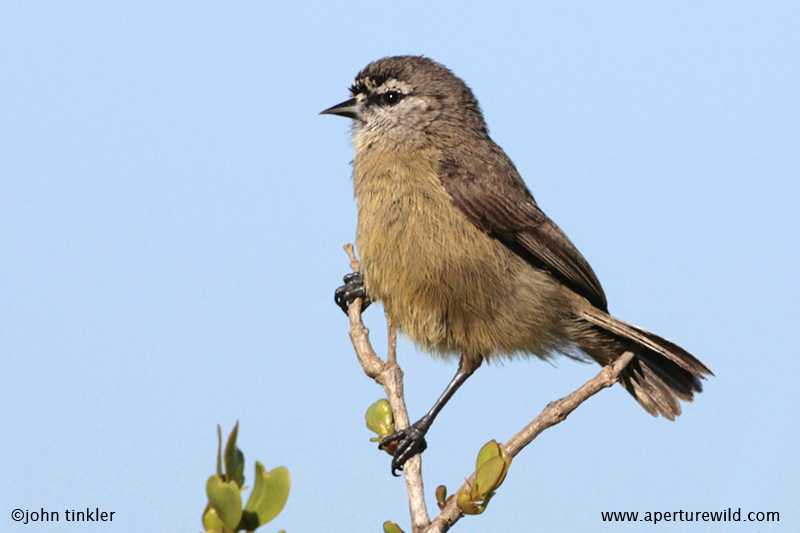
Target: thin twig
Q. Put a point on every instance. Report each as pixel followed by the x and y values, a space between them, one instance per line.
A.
pixel 391 356
pixel 390 376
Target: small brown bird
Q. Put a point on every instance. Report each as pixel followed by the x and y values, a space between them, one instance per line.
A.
pixel 465 263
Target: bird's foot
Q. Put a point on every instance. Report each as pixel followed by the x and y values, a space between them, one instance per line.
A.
pixel 353 288
pixel 410 442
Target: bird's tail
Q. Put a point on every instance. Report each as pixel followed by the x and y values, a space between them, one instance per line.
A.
pixel 660 374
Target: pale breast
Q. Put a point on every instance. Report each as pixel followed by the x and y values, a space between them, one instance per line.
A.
pixel 449 286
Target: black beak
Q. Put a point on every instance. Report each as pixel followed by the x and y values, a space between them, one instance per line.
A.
pixel 349 109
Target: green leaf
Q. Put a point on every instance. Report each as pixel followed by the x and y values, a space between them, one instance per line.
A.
pixel 226 499
pixel 269 495
pixel 238 474
pixel 234 459
pixel 489 477
pixel 380 419
pixel 441 496
pixel 489 450
pixel 467 504
pixel 391 527
pixel 211 520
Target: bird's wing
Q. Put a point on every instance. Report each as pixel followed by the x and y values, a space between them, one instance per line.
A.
pixel 495 199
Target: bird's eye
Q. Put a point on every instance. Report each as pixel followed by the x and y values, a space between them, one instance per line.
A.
pixel 391 98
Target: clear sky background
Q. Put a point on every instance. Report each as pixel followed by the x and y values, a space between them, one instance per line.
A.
pixel 172 215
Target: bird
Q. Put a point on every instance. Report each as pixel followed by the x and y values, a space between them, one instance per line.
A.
pixel 462 258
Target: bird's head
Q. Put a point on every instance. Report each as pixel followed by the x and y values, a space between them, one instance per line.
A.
pixel 408 100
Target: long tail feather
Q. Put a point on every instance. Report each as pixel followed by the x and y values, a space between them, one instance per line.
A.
pixel 661 372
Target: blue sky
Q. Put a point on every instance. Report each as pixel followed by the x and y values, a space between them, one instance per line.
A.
pixel 172 212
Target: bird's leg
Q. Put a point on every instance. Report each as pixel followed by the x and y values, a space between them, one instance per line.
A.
pixel 411 440
pixel 353 288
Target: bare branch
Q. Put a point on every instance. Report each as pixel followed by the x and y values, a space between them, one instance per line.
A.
pixel 390 376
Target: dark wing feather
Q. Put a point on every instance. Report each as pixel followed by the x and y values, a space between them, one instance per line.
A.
pixel 495 199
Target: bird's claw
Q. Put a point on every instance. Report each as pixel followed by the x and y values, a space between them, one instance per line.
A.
pixel 353 288
pixel 410 442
